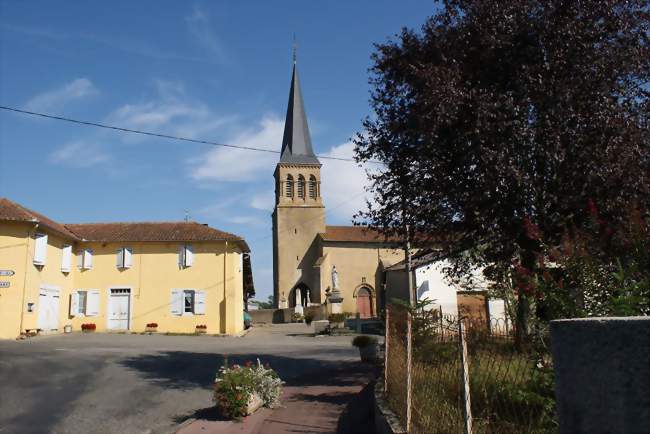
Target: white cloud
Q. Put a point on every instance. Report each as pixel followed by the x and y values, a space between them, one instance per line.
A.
pixel 80 154
pixel 56 99
pixel 200 27
pixel 237 165
pixel 343 183
pixel 263 201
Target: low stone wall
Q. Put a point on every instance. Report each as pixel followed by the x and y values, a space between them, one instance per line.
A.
pixel 271 316
pixel 318 313
pixel 602 374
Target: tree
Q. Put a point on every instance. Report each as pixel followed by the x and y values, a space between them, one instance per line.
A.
pixel 502 118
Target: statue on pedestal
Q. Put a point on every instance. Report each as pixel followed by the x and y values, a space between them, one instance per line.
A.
pixel 335 278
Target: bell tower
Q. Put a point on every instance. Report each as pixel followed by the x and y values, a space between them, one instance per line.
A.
pixel 299 213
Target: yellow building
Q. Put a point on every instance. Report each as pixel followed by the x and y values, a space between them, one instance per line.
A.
pixel 305 250
pixel 117 276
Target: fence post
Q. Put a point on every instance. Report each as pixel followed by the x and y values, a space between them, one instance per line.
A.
pixel 409 370
pixel 386 348
pixel 464 378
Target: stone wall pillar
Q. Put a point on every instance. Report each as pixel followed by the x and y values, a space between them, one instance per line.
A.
pixel 602 374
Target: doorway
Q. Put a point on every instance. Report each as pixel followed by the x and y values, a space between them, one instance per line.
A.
pixel 364 303
pixel 48 309
pixel 119 309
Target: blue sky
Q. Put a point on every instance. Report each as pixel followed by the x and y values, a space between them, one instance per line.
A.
pixel 218 71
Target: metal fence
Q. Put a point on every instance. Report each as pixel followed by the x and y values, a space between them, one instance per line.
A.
pixel 444 374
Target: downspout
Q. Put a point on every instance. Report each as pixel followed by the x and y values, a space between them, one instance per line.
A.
pixel 22 305
pixel 225 277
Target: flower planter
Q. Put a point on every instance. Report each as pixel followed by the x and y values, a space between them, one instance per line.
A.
pixel 151 330
pixel 200 331
pixel 369 353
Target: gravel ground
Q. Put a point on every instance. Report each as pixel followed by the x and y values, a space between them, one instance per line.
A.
pixel 123 383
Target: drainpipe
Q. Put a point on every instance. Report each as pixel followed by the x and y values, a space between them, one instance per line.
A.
pixel 225 278
pixel 22 304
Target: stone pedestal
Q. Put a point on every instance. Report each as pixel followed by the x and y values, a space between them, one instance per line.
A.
pixel 335 302
pixel 299 309
pixel 283 304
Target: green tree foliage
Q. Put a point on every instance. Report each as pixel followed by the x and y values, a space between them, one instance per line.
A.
pixel 499 117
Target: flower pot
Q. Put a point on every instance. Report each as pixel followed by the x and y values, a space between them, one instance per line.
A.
pixel 369 353
pixel 151 329
pixel 254 403
pixel 201 331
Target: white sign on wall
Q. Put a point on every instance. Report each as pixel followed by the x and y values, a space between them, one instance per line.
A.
pixel 7 272
pixel 4 284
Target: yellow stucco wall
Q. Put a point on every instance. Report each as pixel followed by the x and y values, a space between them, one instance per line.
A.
pixel 153 275
pixel 354 262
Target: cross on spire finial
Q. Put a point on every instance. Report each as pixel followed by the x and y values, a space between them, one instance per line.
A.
pixel 295 48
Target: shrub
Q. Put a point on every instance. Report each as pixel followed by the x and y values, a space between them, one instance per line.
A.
pixel 296 317
pixel 234 387
pixel 364 341
pixel 309 318
pixel 201 327
pixel 337 317
pixel 152 325
pixel 89 327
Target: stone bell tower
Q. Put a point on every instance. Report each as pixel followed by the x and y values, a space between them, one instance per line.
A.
pixel 299 213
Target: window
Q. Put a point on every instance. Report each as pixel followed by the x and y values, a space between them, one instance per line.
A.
pixel 188 297
pixel 312 187
pixel 185 256
pixel 301 187
pixel 82 301
pixel 40 249
pixel 66 258
pixel 187 302
pixel 124 258
pixel 289 186
pixel 85 259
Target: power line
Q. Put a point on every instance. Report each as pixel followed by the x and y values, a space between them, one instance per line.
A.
pixel 164 136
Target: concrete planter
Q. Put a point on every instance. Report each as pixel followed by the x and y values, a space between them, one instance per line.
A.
pixel 200 331
pixel 151 329
pixel 369 353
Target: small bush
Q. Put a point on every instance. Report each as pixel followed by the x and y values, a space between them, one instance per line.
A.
pixel 296 317
pixel 364 341
pixel 337 317
pixel 308 318
pixel 89 327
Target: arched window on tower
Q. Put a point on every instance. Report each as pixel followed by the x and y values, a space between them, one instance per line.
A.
pixel 301 187
pixel 312 187
pixel 289 186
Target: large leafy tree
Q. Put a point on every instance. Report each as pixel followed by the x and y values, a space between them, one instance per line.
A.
pixel 498 122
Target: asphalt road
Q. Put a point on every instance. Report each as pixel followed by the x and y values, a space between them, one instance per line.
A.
pixel 112 383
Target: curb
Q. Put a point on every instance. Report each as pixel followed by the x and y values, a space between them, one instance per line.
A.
pixel 386 422
pixel 185 423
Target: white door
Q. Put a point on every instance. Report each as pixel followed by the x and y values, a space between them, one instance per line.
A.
pixel 118 309
pixel 48 309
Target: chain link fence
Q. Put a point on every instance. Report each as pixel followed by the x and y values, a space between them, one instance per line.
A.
pixel 466 375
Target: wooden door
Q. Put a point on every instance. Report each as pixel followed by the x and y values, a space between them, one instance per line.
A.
pixel 364 303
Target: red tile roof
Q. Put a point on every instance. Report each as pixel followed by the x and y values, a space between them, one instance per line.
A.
pixel 11 211
pixel 121 232
pixel 358 234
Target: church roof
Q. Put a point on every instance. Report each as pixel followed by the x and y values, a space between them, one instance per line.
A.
pixel 296 142
pixel 356 234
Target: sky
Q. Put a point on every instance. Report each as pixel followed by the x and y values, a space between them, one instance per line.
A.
pixel 210 70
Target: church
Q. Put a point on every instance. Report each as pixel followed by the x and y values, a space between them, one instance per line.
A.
pixel 313 263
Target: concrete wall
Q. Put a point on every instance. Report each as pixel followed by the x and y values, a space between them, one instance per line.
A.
pixel 602 374
pixel 271 316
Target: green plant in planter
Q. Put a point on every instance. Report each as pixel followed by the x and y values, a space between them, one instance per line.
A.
pixel 368 348
pixel 296 317
pixel 308 318
pixel 363 341
pixel 337 317
pixel 237 388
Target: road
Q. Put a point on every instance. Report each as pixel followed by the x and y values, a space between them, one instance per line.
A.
pixel 127 383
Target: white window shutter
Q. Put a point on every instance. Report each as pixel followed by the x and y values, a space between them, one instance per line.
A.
pixel 92 302
pixel 189 256
pixel 74 303
pixel 199 303
pixel 128 258
pixel 80 259
pixel 119 258
pixel 40 249
pixel 177 302
pixel 87 262
pixel 66 258
pixel 181 256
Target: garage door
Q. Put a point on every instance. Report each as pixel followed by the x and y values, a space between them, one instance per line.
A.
pixel 48 309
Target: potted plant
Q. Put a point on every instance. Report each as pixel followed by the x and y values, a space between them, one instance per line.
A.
pixel 241 390
pixel 151 327
pixel 337 320
pixel 296 317
pixel 368 348
pixel 201 329
pixel 88 328
pixel 309 318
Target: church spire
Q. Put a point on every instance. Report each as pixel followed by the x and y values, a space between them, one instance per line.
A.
pixel 296 142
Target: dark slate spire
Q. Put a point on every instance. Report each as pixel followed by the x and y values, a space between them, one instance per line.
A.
pixel 296 142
